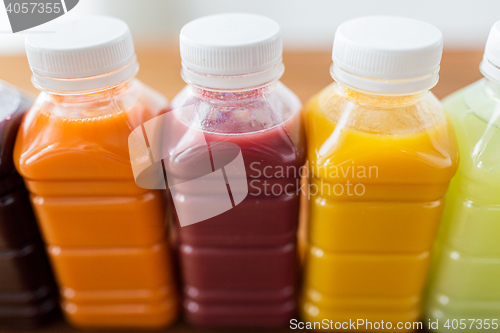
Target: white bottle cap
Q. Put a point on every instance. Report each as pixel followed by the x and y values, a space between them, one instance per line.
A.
pixel 86 54
pixel 231 51
pixel 387 54
pixel 490 66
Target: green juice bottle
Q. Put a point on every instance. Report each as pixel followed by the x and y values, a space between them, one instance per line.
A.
pixel 464 286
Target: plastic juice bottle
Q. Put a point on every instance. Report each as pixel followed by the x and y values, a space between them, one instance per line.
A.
pixel 464 288
pixel 27 291
pixel 381 155
pixel 239 267
pixel 106 237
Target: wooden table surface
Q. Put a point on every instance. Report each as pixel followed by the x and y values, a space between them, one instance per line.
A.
pixel 306 73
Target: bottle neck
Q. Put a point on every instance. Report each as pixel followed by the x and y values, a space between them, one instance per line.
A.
pixel 86 85
pixel 232 96
pixel 233 82
pixel 394 86
pixel 82 97
pixel 86 105
pixel 493 86
pixel 379 99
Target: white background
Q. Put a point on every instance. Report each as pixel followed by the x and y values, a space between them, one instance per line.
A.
pixel 306 24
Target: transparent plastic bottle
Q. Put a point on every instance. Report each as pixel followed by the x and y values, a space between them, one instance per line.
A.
pixel 464 288
pixel 381 155
pixel 106 237
pixel 239 267
pixel 28 294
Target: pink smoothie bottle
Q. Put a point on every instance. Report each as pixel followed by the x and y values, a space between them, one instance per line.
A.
pixel 236 242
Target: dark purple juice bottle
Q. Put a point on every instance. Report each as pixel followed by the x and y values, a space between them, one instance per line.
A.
pixel 239 266
pixel 27 291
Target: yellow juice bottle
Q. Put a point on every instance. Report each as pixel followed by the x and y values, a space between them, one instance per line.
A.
pixel 464 284
pixel 381 155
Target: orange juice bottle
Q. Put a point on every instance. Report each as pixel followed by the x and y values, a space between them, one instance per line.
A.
pixel 106 237
pixel 381 155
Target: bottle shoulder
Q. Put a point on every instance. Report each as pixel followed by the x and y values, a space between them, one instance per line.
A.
pixel 266 125
pixel 13 106
pixel 237 112
pixel 393 115
pixel 475 114
pixel 407 137
pixel 87 138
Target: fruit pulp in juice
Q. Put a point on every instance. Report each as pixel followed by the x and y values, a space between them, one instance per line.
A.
pixel 379 167
pixel 27 290
pixel 464 280
pixel 239 267
pixel 105 236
